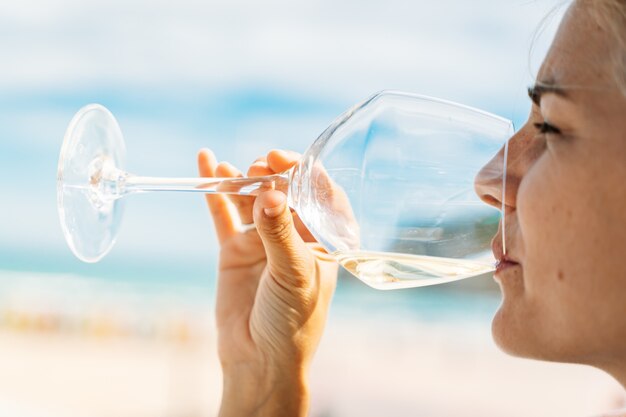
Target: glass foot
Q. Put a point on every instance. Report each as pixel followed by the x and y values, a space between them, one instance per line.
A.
pixel 93 150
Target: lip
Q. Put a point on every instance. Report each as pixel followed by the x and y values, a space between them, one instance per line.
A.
pixel 504 261
pixel 504 264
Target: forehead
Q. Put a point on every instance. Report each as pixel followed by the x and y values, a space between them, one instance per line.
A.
pixel 580 55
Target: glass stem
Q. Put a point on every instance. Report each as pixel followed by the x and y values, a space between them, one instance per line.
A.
pixel 208 185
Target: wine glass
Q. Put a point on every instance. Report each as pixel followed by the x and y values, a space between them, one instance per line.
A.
pixel 387 188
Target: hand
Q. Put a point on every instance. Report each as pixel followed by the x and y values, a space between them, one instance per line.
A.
pixel 275 284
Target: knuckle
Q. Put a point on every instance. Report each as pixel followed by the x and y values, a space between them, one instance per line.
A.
pixel 296 274
pixel 279 232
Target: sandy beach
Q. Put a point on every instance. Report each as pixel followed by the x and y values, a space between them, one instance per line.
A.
pixel 420 369
pixel 365 368
pixel 65 376
pixel 73 346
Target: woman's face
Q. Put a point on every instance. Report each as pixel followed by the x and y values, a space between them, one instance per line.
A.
pixel 565 299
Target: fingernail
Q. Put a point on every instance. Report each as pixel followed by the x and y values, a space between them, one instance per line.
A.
pixel 276 210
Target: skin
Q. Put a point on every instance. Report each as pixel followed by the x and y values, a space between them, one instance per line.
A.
pixel 565 226
pixel 275 284
pixel 566 223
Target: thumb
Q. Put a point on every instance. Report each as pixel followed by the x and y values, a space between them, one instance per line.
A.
pixel 288 258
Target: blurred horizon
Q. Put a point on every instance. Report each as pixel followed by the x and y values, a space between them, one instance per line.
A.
pixel 232 76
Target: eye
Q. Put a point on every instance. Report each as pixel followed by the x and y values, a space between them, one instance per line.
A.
pixel 546 127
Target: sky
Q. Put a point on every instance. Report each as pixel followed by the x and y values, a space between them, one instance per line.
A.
pixel 240 77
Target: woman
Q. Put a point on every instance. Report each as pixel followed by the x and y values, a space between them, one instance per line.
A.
pixel 562 279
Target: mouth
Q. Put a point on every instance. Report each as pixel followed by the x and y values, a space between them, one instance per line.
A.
pixel 503 264
pixel 504 261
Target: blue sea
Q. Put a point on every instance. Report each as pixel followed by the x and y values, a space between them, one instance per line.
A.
pixel 167 243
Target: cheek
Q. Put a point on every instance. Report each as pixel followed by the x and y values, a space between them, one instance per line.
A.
pixel 562 211
pixel 553 214
pixel 564 235
pixel 543 218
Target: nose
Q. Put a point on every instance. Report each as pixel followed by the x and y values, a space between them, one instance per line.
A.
pixel 493 184
pixel 488 183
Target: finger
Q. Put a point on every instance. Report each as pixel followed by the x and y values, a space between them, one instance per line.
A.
pixel 288 259
pixel 280 160
pixel 219 206
pixel 243 203
pixel 259 168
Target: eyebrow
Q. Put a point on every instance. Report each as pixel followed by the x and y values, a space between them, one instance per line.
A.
pixel 540 88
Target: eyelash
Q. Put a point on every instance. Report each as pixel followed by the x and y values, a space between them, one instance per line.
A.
pixel 545 127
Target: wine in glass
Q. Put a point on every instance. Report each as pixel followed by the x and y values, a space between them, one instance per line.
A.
pixel 387 188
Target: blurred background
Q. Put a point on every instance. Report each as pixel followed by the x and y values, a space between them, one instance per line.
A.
pixel 133 335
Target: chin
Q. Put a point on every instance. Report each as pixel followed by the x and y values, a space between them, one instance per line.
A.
pixel 506 334
pixel 511 324
pixel 514 328
pixel 514 325
pixel 518 330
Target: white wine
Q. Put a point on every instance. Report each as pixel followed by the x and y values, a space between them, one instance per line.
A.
pixel 386 270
